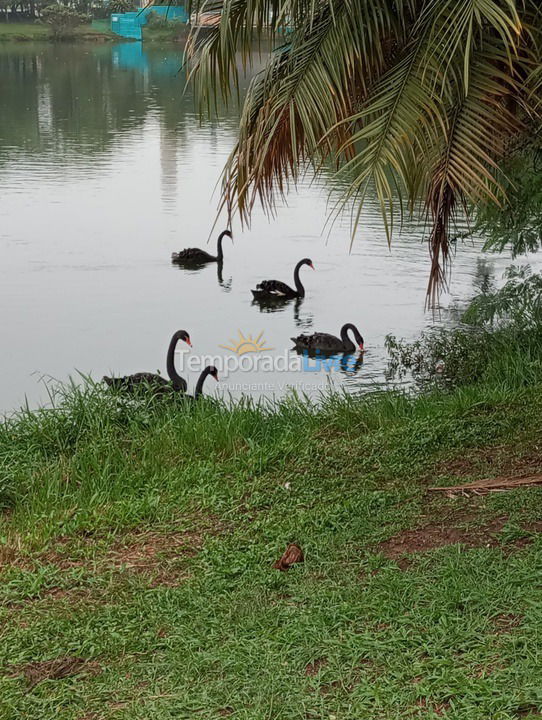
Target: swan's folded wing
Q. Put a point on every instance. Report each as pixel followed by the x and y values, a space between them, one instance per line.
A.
pixel 275 287
pixel 187 253
pixel 325 339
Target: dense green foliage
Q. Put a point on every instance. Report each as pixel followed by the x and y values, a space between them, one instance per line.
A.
pixel 28 10
pixel 63 20
pixel 516 225
pixel 121 6
pixel 499 329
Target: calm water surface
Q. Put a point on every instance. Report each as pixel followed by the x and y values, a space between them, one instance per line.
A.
pixel 105 170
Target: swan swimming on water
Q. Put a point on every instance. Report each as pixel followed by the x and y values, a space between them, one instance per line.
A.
pixel 278 290
pixel 324 342
pixel 196 256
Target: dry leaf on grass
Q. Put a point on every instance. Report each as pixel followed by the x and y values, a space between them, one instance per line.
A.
pixel 292 554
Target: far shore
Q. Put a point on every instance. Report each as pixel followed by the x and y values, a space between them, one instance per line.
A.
pixel 32 31
pixel 37 31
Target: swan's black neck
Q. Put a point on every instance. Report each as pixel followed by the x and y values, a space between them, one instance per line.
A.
pixel 201 380
pixel 219 253
pixel 344 334
pixel 298 286
pixel 178 382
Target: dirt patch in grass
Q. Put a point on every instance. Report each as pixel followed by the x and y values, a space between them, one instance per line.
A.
pixel 313 668
pixel 438 535
pixel 160 556
pixel 460 525
pixel 531 530
pixel 506 622
pixel 500 460
pixel 72 595
pixel 527 711
pixel 157 556
pixel 8 556
pixel 426 705
pixel 133 548
pixel 57 669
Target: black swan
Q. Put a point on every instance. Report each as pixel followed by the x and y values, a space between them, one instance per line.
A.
pixel 277 290
pixel 157 383
pixel 323 342
pixel 196 256
pixel 209 370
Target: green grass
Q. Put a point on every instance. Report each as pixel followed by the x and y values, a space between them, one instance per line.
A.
pixel 21 32
pixel 141 537
pixel 24 31
pixel 171 32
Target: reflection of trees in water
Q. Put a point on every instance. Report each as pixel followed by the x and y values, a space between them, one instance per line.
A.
pixel 74 99
pixel 66 98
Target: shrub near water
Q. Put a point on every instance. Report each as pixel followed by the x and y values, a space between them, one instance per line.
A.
pixel 63 20
pixel 499 339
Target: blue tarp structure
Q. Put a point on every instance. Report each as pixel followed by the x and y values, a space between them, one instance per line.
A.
pixel 129 24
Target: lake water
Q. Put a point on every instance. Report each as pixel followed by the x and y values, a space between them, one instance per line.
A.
pixel 105 169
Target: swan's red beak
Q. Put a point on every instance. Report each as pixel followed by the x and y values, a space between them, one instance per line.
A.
pixel 188 342
pixel 216 377
pixel 312 266
pixel 361 347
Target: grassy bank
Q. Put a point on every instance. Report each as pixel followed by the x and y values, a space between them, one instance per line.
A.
pixel 166 32
pixel 27 32
pixel 97 32
pixel 138 543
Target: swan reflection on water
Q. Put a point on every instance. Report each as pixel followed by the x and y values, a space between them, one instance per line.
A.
pixel 347 363
pixel 226 286
pixel 275 306
pixel 194 267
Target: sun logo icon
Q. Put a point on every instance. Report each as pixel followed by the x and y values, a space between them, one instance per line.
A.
pixel 247 344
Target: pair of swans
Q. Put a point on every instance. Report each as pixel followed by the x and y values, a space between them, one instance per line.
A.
pixel 317 342
pixel 266 290
pixel 276 290
pixel 158 384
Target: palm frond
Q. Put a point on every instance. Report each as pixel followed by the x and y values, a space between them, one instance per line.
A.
pixel 215 55
pixel 465 166
pixel 416 98
pixel 384 143
pixel 309 85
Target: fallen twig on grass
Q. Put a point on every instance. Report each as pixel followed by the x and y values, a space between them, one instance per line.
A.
pixel 481 487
